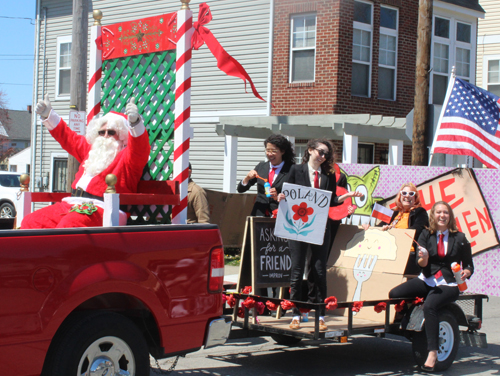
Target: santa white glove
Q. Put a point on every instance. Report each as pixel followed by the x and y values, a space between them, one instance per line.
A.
pixel 132 112
pixel 43 107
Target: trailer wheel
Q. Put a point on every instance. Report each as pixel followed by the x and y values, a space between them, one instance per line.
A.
pixel 449 340
pixel 100 343
pixel 284 340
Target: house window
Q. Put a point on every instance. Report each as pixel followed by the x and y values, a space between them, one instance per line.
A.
pixel 303 51
pixel 63 67
pixel 451 47
pixel 362 49
pixel 13 168
pixel 300 149
pixel 387 53
pixel 366 153
pixel 59 170
pixel 491 80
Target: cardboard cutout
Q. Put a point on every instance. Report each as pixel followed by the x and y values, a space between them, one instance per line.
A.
pixel 366 265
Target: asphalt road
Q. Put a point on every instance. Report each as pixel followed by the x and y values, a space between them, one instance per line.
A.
pixel 362 355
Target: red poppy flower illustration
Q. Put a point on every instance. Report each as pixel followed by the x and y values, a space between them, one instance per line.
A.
pixel 302 212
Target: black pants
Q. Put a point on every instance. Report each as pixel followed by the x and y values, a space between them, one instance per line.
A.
pixel 319 255
pixel 435 298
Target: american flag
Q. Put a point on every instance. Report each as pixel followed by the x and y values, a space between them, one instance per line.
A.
pixel 469 124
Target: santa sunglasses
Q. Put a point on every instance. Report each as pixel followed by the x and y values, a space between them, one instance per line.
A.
pixel 410 193
pixel 110 132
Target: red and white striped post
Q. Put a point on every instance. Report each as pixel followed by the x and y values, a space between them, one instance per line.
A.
pixel 95 68
pixel 182 131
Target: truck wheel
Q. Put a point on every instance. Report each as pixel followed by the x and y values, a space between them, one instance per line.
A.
pixel 7 210
pixel 99 343
pixel 449 340
pixel 281 339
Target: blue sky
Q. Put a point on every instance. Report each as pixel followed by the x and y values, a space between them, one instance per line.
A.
pixel 17 49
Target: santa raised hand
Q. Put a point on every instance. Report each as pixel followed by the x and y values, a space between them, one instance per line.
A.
pixel 114 144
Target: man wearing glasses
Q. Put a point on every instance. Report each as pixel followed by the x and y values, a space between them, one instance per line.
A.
pixel 113 144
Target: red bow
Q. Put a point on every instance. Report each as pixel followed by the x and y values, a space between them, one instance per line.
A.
pixel 225 62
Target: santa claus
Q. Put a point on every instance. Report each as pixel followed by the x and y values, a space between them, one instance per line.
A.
pixel 114 144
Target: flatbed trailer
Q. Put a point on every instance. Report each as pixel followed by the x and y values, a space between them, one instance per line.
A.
pixel 465 313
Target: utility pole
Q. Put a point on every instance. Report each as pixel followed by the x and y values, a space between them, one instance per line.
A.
pixel 421 106
pixel 78 87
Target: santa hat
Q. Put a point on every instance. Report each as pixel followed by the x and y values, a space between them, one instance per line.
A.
pixel 113 120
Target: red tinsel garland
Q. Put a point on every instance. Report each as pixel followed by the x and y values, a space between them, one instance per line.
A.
pixel 231 301
pixel 286 305
pixel 418 301
pixel 260 308
pixel 356 306
pixel 399 307
pixel 241 312
pixel 271 306
pixel 382 306
pixel 249 303
pixel 331 303
pixel 247 290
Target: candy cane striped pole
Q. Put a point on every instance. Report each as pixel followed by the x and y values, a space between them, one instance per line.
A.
pixel 182 131
pixel 95 68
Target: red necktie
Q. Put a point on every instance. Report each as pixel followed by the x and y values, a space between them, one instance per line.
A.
pixel 316 179
pixel 441 246
pixel 271 175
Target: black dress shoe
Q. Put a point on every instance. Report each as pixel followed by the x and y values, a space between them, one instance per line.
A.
pixel 427 369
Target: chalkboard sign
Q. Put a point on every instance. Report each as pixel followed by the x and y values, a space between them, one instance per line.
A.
pixel 272 263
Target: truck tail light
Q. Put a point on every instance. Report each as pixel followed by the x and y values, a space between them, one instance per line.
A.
pixel 216 278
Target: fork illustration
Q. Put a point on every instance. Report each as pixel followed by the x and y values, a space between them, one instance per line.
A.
pixel 362 273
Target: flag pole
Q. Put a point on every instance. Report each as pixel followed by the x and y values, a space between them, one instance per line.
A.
pixel 445 103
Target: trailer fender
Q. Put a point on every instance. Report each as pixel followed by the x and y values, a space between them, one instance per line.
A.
pixel 416 322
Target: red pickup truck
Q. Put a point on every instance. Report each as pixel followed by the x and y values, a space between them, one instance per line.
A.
pixel 91 301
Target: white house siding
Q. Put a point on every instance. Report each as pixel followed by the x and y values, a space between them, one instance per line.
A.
pixel 488 38
pixel 241 26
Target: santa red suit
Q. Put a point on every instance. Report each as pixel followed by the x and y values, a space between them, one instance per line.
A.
pixel 85 207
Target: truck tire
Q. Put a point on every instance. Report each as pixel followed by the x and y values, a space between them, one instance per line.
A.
pixel 281 339
pixel 100 343
pixel 449 340
pixel 7 210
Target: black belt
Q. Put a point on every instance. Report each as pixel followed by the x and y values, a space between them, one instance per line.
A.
pixel 81 193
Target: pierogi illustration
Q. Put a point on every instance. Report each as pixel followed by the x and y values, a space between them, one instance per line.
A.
pixel 372 242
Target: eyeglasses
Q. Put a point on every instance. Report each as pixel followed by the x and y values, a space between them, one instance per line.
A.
pixel 323 153
pixel 110 132
pixel 410 193
pixel 272 151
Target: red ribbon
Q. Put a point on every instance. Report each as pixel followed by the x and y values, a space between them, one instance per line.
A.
pixel 225 62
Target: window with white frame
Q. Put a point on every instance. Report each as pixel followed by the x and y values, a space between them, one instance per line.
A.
pixel 58 171
pixel 491 74
pixel 63 66
pixel 387 56
pixel 451 47
pixel 303 47
pixel 362 49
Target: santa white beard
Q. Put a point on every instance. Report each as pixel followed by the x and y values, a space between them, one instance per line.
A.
pixel 101 155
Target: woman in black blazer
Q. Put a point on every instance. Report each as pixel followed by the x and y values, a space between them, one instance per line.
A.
pixel 317 161
pixel 280 157
pixel 436 282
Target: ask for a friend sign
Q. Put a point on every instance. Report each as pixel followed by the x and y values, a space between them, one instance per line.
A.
pixel 303 215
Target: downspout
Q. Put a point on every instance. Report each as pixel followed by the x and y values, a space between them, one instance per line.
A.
pixel 43 88
pixel 35 93
pixel 270 64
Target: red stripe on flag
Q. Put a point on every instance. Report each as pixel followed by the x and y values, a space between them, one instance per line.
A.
pixel 96 77
pixel 182 118
pixel 493 152
pixel 383 217
pixel 181 149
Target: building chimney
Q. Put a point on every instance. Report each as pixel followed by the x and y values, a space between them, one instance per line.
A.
pixel 29 108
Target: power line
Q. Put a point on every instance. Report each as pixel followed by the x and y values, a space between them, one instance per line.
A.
pixel 32 20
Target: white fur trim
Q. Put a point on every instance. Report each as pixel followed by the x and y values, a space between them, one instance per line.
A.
pixel 138 129
pixel 84 181
pixel 52 121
